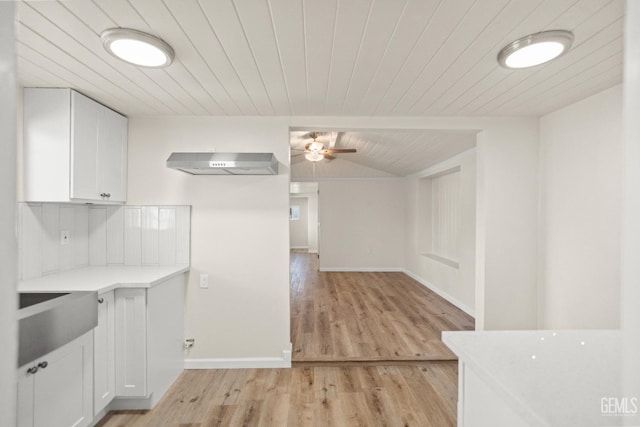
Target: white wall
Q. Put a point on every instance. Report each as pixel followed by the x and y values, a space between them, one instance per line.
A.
pixel 8 247
pixel 457 284
pixel 506 225
pixel 240 223
pixel 239 231
pixel 630 294
pixel 580 213
pixel 299 229
pixel 361 224
pixel 507 208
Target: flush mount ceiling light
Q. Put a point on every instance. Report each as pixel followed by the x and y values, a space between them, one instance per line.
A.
pixel 136 47
pixel 535 49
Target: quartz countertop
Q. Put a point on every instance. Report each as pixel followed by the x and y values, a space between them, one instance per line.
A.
pixel 102 279
pixel 549 378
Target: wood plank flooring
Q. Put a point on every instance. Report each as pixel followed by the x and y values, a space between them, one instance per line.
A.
pixel 405 396
pixel 367 352
pixel 367 316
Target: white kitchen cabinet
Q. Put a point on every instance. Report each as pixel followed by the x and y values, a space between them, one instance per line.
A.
pixel 60 392
pixel 149 342
pixel 104 353
pixel 480 406
pixel 131 342
pixel 112 169
pixel 75 149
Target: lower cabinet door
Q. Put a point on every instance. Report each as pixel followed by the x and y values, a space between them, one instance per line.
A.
pixel 131 342
pixel 60 392
pixel 25 397
pixel 104 353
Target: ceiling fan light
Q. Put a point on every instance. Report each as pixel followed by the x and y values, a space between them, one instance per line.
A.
pixel 535 49
pixel 314 156
pixel 137 47
pixel 316 146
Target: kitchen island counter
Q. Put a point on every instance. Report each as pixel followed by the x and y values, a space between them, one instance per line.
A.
pixel 540 378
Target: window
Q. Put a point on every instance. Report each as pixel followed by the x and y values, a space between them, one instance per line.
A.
pixel 294 212
pixel 440 217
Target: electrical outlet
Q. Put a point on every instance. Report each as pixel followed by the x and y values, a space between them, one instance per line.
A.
pixel 204 280
pixel 65 237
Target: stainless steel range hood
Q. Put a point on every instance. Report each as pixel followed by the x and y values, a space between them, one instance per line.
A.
pixel 224 163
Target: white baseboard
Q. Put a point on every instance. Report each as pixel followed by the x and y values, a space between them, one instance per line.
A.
pixel 313 251
pixel 242 362
pixel 364 269
pixel 298 247
pixel 131 404
pixel 452 300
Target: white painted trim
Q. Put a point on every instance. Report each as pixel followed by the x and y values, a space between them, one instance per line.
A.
pixel 130 404
pixel 242 362
pixel 443 260
pixel 438 174
pixel 351 178
pixel 313 251
pixel 364 269
pixel 443 166
pixel 298 247
pixel 452 300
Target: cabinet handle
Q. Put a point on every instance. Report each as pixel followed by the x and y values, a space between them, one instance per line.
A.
pixel 105 195
pixel 100 300
pixel 43 364
pixel 32 370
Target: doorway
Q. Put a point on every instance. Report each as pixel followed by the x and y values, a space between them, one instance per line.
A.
pixel 303 217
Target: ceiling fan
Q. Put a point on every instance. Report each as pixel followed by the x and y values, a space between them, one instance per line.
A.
pixel 314 151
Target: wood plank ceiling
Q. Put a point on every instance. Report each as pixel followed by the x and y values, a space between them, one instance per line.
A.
pixel 328 57
pixel 323 57
pixel 389 153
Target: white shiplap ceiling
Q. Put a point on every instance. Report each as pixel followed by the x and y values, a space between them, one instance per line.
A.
pixel 380 154
pixel 323 57
pixel 328 57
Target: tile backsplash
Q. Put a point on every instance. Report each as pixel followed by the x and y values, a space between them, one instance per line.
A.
pixel 56 237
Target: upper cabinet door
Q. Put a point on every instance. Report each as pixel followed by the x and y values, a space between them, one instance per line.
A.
pixel 85 137
pixel 46 148
pixel 75 149
pixel 112 168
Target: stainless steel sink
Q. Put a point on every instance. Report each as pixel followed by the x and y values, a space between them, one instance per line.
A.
pixel 48 320
pixel 28 299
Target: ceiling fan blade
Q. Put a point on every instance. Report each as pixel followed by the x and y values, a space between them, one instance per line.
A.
pixel 341 150
pixel 328 156
pixel 306 146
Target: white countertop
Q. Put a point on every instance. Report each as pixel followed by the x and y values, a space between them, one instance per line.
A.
pixel 549 378
pixel 102 279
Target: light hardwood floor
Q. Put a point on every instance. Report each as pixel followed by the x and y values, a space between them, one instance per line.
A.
pixel 367 352
pixel 367 316
pixel 403 396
